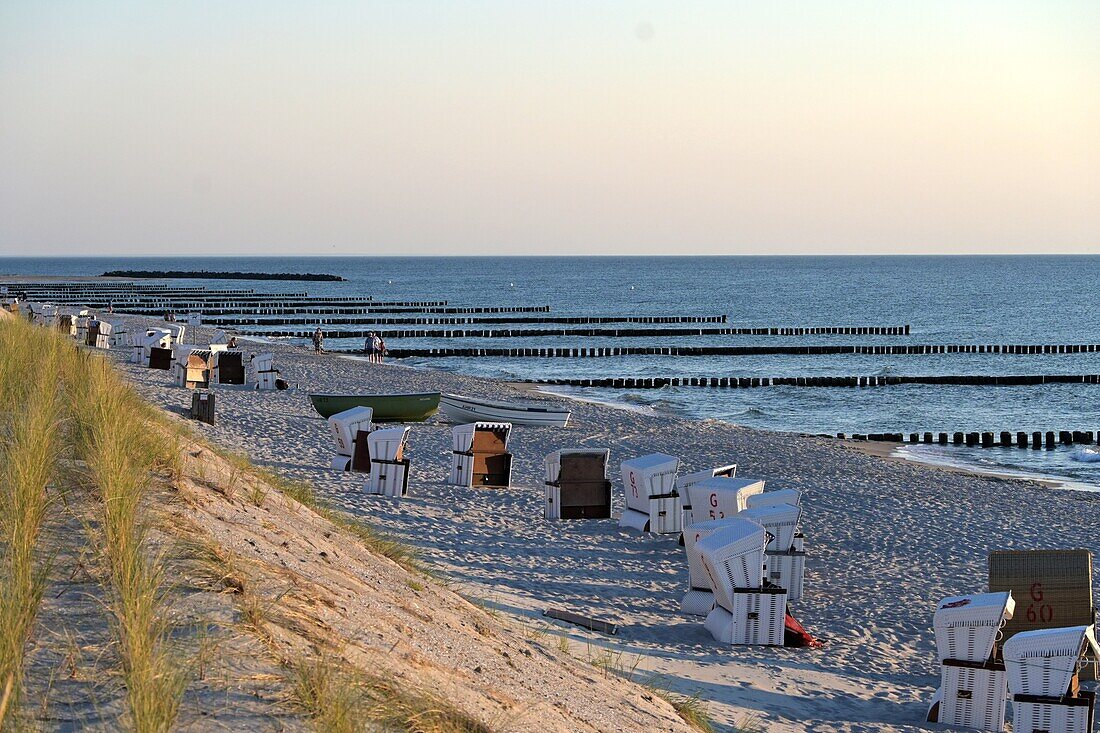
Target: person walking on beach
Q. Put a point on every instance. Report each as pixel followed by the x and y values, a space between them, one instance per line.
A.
pixel 379 349
pixel 368 347
pixel 318 340
pixel 232 343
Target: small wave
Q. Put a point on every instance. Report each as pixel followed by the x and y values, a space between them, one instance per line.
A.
pixel 752 412
pixel 884 371
pixel 1086 455
pixel 637 399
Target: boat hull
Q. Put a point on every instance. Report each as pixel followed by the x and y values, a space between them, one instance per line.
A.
pixel 463 410
pixel 416 407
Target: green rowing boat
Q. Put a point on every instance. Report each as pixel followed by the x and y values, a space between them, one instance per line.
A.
pixel 416 407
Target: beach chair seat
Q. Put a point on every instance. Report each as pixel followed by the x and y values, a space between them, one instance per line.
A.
pixel 1076 714
pixel 967 626
pixel 699 599
pixel 389 469
pixel 733 557
pixel 757 617
pixel 577 484
pixel 684 482
pixel 479 454
pixel 651 502
pixel 721 497
pixel 971 695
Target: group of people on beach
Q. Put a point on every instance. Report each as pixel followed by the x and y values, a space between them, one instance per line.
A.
pixel 374 347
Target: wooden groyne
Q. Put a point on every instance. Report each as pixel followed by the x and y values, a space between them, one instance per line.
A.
pixel 277 310
pixel 1035 440
pixel 815 381
pixel 442 321
pixel 209 275
pixel 755 350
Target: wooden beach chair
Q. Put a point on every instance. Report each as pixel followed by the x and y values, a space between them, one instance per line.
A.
pixel 785 565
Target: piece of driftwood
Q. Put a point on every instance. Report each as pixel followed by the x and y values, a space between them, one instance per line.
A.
pixel 584 622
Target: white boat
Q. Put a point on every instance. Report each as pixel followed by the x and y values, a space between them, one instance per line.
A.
pixel 462 410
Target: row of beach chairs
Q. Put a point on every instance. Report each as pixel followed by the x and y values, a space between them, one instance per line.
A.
pixel 745 553
pixel 1038 670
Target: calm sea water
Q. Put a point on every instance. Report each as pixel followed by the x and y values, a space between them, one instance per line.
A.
pixel 944 299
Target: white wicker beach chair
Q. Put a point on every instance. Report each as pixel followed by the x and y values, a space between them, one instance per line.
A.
pixel 389 470
pixel 651 502
pixel 971 695
pixel 1043 662
pixel 721 497
pixel 699 599
pixel 733 557
pixel 264 371
pixel 345 427
pixel 967 626
pixel 684 482
pixel 479 454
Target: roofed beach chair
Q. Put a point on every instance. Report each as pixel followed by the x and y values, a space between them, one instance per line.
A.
pixel 389 469
pixel 264 372
pixel 684 482
pixel 1044 682
pixel 577 485
pixel 973 684
pixel 479 454
pixel 99 334
pixel 350 430
pixel 721 497
pixel 786 566
pixel 699 599
pixel 228 367
pixel 1054 587
pixel 651 501
pixel 191 367
pixel 153 338
pixel 747 610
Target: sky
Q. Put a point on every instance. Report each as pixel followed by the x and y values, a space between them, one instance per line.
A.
pixel 566 127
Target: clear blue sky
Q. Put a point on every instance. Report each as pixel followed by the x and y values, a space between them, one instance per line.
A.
pixel 521 127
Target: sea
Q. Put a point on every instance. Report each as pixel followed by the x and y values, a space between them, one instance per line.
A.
pixel 944 300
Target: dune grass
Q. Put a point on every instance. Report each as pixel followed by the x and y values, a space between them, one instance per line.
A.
pixel 112 435
pixel 339 699
pixel 29 427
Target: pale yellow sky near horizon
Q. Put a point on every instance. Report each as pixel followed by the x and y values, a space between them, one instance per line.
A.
pixel 565 128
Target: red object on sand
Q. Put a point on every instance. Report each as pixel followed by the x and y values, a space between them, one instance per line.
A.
pixel 795 634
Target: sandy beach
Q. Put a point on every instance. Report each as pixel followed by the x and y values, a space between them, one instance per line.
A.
pixel 885 538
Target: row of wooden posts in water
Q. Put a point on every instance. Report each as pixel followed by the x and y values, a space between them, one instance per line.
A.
pixel 1036 440
pixel 753 350
pixel 581 332
pixel 869 381
pixel 240 320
